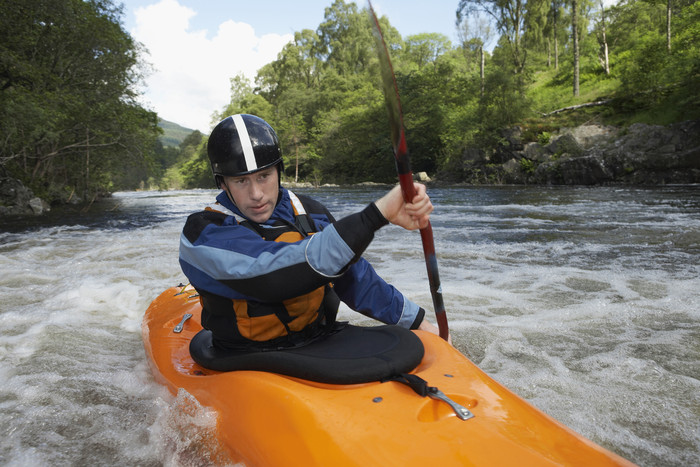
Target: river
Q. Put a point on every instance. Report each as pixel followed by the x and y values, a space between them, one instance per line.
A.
pixel 584 301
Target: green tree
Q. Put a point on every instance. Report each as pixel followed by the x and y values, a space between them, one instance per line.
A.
pixel 509 18
pixel 474 32
pixel 554 31
pixel 424 49
pixel 345 39
pixel 69 120
pixel 324 97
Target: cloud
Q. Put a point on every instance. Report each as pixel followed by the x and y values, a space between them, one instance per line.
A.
pixel 192 69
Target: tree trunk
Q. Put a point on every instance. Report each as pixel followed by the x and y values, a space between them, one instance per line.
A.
pixel 606 59
pixel 296 168
pixel 87 162
pixel 556 37
pixel 668 25
pixel 483 66
pixel 574 24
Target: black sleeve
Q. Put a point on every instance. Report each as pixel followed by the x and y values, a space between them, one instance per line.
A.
pixel 357 230
pixel 198 221
pixel 419 318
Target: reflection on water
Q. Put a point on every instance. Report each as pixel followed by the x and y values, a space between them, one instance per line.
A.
pixel 582 300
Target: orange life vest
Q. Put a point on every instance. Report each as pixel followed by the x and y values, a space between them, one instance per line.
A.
pixel 291 322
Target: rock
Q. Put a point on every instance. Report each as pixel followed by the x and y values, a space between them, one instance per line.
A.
pixel 588 136
pixel 39 206
pixel 655 155
pixel 584 170
pixel 513 136
pixel 535 152
pixel 512 166
pixel 599 155
pixel 564 146
pixel 17 199
pixel 292 184
pixel 474 155
pixel 421 177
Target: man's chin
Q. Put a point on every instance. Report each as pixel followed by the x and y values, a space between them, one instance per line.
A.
pixel 258 217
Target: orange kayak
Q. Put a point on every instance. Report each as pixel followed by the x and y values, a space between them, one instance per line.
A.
pixel 267 419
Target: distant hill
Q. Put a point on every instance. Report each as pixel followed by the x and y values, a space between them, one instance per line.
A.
pixel 173 134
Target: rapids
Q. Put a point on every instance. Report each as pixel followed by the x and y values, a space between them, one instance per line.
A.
pixel 584 301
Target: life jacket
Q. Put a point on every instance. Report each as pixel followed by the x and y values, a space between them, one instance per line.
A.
pixel 250 325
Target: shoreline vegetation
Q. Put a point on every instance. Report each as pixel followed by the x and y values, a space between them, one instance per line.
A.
pixel 571 94
pixel 588 155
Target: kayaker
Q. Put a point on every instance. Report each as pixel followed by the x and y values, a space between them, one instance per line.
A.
pixel 271 266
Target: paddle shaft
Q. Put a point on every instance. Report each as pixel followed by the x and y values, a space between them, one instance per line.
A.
pixel 403 167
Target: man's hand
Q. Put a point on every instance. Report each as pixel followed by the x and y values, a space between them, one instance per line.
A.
pixel 410 216
pixel 426 325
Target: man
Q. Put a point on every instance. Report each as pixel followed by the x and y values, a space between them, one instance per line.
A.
pixel 271 266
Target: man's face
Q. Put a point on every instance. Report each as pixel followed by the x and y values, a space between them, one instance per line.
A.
pixel 255 194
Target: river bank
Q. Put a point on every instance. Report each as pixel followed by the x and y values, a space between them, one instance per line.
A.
pixel 640 155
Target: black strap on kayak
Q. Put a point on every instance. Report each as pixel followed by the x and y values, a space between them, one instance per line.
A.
pixel 418 384
pixel 421 387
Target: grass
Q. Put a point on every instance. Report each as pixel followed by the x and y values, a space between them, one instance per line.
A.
pixel 547 93
pixel 551 90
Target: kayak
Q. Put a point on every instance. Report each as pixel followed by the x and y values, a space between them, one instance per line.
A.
pixel 269 418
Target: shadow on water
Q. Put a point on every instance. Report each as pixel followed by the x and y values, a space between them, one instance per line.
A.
pixel 122 211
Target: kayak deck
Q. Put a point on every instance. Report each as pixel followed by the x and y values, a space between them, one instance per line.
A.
pixel 270 419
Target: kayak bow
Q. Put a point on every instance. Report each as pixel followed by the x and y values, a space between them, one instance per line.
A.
pixel 266 419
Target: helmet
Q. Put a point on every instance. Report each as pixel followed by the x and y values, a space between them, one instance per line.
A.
pixel 242 144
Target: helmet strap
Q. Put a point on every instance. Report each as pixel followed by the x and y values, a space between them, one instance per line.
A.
pixel 223 186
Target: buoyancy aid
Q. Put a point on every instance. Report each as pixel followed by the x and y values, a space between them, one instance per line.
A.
pixel 250 325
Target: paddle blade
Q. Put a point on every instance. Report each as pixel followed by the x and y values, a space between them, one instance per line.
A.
pixel 403 167
pixel 391 97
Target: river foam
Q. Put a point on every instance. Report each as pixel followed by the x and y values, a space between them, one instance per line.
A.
pixel 583 301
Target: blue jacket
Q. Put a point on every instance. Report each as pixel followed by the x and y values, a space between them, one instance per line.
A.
pixel 223 258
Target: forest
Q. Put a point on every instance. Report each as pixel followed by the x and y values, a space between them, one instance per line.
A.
pixel 71 125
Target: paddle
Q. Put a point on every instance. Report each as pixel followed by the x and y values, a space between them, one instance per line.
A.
pixel 403 167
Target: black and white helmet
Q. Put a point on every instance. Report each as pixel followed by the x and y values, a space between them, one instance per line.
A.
pixel 242 144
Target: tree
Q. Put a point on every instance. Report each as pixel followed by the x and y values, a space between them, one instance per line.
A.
pixel 668 24
pixel 574 36
pixel 509 17
pixel 603 38
pixel 345 40
pixel 553 26
pixel 424 49
pixel 474 32
pixel 69 117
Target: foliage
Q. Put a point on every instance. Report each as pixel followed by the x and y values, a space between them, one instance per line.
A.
pixel 173 134
pixel 323 95
pixel 69 120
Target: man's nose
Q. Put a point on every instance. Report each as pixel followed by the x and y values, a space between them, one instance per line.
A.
pixel 256 191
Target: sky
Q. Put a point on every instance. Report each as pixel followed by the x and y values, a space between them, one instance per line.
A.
pixel 196 46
